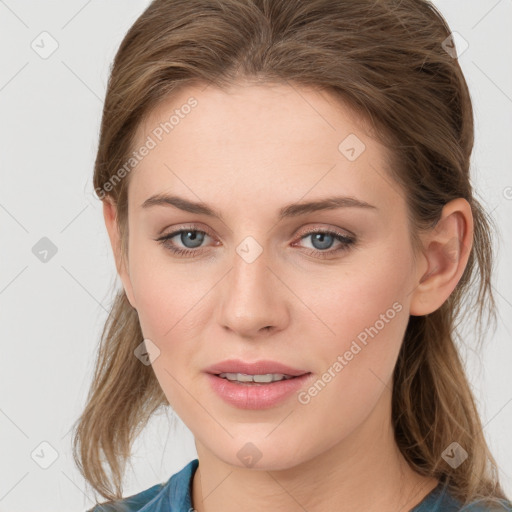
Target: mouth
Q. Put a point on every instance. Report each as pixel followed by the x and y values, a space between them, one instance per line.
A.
pixel 258 379
pixel 243 391
pixel 259 385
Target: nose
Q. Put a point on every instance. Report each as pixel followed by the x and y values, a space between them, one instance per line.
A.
pixel 254 301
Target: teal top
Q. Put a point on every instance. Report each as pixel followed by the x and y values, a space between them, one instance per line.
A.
pixel 175 496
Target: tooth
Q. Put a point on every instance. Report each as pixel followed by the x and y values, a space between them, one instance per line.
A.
pixel 242 377
pixel 263 378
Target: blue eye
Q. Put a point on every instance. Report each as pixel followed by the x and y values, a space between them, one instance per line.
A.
pixel 191 239
pixel 324 239
pixel 186 236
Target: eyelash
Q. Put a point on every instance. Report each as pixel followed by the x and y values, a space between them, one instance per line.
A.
pixel 346 242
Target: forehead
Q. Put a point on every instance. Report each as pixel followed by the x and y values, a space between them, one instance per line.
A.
pixel 272 141
pixel 260 110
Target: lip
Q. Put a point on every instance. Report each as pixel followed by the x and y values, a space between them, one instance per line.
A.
pixel 257 395
pixel 256 368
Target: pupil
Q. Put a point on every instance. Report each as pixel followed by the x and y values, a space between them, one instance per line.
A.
pixel 194 236
pixel 320 237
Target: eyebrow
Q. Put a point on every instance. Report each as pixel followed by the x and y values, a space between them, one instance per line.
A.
pixel 291 210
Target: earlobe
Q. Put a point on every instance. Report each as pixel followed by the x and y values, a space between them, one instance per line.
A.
pixel 446 250
pixel 111 223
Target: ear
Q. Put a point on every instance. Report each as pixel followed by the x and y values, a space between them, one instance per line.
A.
pixel 446 250
pixel 110 216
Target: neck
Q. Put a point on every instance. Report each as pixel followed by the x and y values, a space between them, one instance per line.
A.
pixel 364 471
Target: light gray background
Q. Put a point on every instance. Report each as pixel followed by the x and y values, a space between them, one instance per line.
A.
pixel 52 312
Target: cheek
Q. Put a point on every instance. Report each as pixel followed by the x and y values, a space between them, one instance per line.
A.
pixel 171 314
pixel 370 327
pixel 168 294
pixel 366 312
pixel 172 304
pixel 371 292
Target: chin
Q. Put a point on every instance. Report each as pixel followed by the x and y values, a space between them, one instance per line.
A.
pixel 259 455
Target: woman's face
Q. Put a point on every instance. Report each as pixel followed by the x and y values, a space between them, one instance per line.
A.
pixel 267 279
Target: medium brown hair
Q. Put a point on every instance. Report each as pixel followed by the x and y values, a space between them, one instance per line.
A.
pixel 387 60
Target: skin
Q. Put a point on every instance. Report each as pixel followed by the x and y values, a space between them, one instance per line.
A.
pixel 248 151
